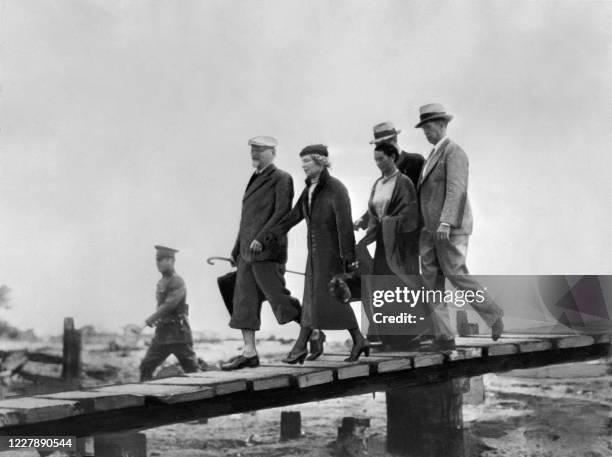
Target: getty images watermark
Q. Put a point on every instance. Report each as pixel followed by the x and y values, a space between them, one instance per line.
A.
pixel 410 298
pixel 403 306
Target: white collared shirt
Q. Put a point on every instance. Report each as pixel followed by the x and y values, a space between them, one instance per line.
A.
pixel 258 172
pixel 437 146
pixel 383 191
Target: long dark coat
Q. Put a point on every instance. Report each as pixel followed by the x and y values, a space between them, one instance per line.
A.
pixel 331 247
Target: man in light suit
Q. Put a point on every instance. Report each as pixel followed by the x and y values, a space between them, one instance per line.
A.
pixel 447 219
pixel 261 262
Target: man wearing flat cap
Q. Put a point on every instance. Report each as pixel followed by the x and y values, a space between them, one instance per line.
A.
pixel 410 164
pixel 172 331
pixel 260 260
pixel 447 225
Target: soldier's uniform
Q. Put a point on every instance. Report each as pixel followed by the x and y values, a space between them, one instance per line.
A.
pixel 172 331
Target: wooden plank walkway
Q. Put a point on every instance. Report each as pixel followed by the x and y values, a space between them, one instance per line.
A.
pixel 214 393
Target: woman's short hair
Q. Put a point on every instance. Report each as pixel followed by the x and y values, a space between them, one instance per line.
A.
pixel 321 160
pixel 388 150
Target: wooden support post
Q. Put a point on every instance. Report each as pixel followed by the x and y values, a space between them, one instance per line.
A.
pixel 291 425
pixel 71 365
pixel 462 323
pixel 426 421
pixel 85 447
pixel 474 390
pixel 464 327
pixel 121 445
pixel 350 424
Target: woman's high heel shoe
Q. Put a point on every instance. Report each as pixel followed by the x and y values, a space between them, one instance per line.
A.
pixel 316 347
pixel 292 359
pixel 358 349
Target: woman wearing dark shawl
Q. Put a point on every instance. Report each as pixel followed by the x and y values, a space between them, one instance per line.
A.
pixel 393 217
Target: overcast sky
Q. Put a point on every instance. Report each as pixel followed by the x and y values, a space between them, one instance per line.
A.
pixel 124 124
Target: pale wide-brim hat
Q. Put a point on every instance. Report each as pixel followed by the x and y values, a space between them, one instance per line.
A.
pixel 384 131
pixel 431 112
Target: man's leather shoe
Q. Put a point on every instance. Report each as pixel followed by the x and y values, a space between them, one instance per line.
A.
pixel 440 345
pixel 497 329
pixel 236 363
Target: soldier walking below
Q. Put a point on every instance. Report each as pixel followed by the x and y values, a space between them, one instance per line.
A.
pixel 172 331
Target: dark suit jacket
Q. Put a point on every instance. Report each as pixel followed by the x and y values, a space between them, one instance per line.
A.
pixel 409 164
pixel 443 191
pixel 266 201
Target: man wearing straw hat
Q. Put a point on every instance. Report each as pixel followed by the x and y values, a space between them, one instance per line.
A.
pixel 447 225
pixel 407 163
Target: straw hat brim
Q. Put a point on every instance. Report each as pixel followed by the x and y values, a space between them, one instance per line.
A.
pixel 446 116
pixel 385 138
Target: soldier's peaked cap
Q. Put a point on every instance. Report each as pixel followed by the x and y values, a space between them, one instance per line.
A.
pixel 163 251
pixel 263 142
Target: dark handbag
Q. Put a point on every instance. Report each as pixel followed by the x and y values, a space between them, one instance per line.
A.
pixel 347 286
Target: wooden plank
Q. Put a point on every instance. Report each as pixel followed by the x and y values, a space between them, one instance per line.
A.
pixel 464 353
pixel 42 357
pixel 265 378
pixel 33 409
pixel 222 382
pixel 522 336
pixel 305 376
pixel 523 344
pixel 272 382
pixel 314 378
pixel 261 378
pixel 493 348
pixel 386 362
pixel 183 381
pixel 532 345
pixel 574 341
pixel 419 358
pixel 9 417
pixel 344 370
pixel 163 393
pixel 220 388
pixel 603 338
pixel 428 359
pixel 91 401
pixel 390 364
pixel 14 361
pixel 502 349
